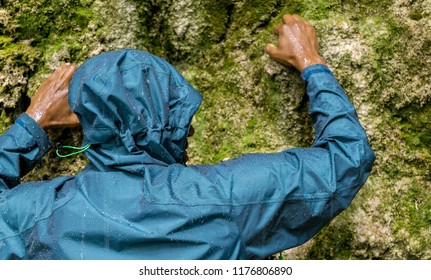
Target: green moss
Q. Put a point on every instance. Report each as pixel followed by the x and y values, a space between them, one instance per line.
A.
pixel 217 16
pixel 249 17
pixel 412 217
pixel 17 61
pixel 5 41
pixel 18 53
pixel 252 14
pixel 35 32
pixel 191 29
pixel 414 213
pixel 36 20
pixel 313 9
pixel 416 127
pixel 414 208
pixel 294 7
pixel 5 122
pixel 333 242
pixel 382 34
pixel 366 8
pixel 83 15
pixel 417 12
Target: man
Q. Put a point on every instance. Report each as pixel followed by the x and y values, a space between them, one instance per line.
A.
pixel 138 200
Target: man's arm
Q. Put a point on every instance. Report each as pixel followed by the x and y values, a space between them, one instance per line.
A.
pixel 281 200
pixel 21 148
pixel 25 143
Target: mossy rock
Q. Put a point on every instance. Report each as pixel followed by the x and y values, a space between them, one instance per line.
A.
pixel 379 51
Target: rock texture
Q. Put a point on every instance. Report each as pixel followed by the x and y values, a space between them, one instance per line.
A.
pixel 379 50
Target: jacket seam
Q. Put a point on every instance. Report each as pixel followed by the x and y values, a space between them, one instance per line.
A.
pixel 298 198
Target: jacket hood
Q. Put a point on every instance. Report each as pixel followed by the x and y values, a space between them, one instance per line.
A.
pixel 135 109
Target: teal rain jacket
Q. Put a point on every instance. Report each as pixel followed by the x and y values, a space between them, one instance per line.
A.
pixel 138 200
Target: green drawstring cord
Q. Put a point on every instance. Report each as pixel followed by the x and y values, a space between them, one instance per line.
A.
pixel 78 150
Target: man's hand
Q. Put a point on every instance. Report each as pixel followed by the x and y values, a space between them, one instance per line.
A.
pixel 297 44
pixel 49 107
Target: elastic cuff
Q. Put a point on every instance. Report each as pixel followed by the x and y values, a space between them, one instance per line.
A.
pixel 32 127
pixel 314 69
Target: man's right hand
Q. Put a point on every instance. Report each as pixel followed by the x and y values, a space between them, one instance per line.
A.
pixel 298 45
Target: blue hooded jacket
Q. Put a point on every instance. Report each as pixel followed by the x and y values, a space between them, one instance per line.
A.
pixel 138 200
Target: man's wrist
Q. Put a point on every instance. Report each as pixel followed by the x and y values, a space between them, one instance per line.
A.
pixel 306 62
pixel 37 117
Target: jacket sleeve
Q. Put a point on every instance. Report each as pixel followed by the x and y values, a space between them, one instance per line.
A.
pixel 281 200
pixel 21 148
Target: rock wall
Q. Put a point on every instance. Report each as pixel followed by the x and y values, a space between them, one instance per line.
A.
pixel 379 50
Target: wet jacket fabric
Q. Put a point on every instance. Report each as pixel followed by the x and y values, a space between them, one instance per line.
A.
pixel 138 200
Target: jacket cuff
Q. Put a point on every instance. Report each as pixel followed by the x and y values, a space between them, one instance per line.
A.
pixel 37 132
pixel 315 69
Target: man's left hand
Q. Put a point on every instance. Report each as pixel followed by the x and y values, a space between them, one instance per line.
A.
pixel 50 107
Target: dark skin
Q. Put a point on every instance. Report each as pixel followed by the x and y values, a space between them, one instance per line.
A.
pixel 297 46
pixel 49 107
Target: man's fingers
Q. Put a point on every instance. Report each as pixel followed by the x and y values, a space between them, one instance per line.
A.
pixel 297 43
pixel 66 70
pixel 271 50
pixel 288 19
pixel 69 72
pixel 70 68
pixel 296 17
pixel 275 54
pixel 62 74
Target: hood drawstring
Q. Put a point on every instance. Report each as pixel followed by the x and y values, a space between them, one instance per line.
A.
pixel 78 150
